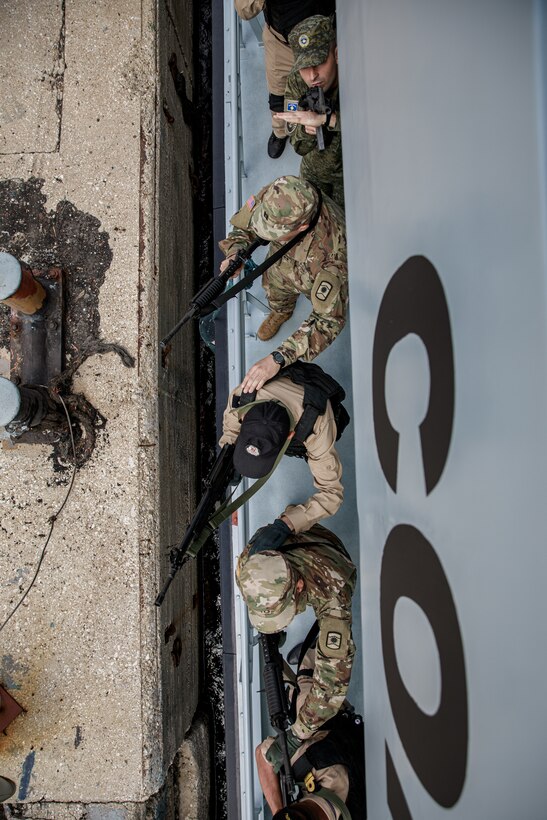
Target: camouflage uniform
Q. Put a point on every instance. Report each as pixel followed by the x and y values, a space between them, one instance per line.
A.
pixel 267 581
pixel 309 40
pixel 323 168
pixel 316 266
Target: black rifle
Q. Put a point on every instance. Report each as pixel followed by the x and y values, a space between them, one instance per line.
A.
pixel 314 100
pixel 221 476
pixel 201 303
pixel 278 709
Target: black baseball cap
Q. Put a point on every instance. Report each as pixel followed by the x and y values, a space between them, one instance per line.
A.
pixel 264 430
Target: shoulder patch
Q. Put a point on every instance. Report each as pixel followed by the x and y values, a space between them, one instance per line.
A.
pixel 334 637
pixel 325 291
pixel 291 105
pixel 250 202
pixel 334 640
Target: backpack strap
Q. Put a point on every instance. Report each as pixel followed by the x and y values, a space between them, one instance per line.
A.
pixel 307 643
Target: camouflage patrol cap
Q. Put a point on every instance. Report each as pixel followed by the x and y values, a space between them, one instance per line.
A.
pixel 267 583
pixel 286 204
pixel 311 40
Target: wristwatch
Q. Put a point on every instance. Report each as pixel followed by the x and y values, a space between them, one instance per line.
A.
pixel 278 358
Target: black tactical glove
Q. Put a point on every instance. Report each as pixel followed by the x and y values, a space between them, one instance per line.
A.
pixel 270 537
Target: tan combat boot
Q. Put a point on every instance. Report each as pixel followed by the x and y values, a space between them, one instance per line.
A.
pixel 271 325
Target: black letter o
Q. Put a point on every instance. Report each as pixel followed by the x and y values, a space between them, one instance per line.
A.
pixel 436 745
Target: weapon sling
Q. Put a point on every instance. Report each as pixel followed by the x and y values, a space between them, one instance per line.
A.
pixel 223 512
pixel 332 798
pixel 212 295
pixel 250 277
pixel 227 508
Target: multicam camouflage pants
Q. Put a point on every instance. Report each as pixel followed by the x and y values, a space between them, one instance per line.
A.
pixel 280 291
pixel 330 183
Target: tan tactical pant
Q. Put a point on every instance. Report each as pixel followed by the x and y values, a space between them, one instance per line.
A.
pixel 279 59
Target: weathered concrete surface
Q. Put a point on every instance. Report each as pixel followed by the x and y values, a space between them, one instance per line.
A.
pixel 184 795
pixel 194 766
pixel 109 684
pixel 31 104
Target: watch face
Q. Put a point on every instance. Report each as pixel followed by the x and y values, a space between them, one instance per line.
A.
pixel 278 358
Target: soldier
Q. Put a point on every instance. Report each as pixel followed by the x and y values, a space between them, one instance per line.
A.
pixel 313 42
pixel 280 17
pixel 312 399
pixel 315 266
pixel 280 577
pixel 331 764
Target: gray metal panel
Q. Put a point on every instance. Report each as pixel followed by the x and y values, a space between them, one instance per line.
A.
pixel 292 481
pixel 444 149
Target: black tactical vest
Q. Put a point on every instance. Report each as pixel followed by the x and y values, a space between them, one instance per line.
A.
pixel 344 745
pixel 319 388
pixel 283 15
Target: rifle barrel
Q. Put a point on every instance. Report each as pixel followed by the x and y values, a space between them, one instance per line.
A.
pixel 212 288
pixel 217 482
pixel 187 316
pixel 161 595
pixel 278 708
pixel 288 776
pixel 321 109
pixel 320 138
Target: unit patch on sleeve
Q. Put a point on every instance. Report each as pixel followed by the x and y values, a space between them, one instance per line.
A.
pixel 325 291
pixel 334 640
pixel 334 636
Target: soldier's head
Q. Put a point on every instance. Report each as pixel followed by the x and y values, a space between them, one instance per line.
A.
pixel 310 808
pixel 264 430
pixel 271 588
pixel 313 43
pixel 286 209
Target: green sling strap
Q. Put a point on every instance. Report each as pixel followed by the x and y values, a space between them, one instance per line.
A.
pixel 329 795
pixel 227 508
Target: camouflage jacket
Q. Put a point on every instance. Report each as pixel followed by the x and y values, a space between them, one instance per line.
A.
pixel 324 168
pixel 329 577
pixel 316 267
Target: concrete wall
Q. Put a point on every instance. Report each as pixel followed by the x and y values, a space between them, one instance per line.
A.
pixel 95 176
